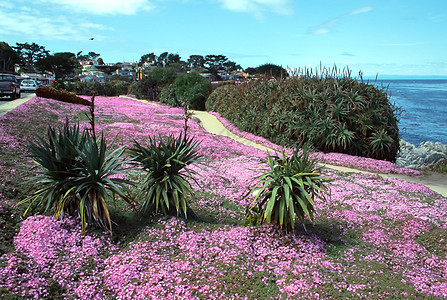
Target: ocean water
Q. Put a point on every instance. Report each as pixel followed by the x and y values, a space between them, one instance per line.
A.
pixel 424 104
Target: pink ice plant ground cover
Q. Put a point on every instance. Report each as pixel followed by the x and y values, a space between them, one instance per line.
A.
pixel 372 237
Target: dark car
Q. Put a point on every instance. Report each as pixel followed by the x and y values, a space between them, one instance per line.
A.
pixel 9 86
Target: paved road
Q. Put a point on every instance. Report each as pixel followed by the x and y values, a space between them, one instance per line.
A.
pixel 7 105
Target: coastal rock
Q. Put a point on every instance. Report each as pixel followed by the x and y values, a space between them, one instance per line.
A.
pixel 427 155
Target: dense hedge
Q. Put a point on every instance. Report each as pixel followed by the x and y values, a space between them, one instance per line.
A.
pixel 151 86
pixel 114 86
pixel 62 95
pixel 192 88
pixel 333 114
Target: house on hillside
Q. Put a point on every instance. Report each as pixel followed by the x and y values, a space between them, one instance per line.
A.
pixel 127 69
pixel 93 76
pixel 141 71
pixel 45 79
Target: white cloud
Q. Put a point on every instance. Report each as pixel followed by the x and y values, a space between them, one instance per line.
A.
pixel 102 7
pixel 360 10
pixel 258 7
pixel 25 24
pixel 327 26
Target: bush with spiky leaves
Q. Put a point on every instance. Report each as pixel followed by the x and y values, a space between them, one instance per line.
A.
pixel 165 162
pixel 332 114
pixel 76 175
pixel 286 191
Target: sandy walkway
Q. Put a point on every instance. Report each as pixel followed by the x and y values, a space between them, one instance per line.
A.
pixel 435 181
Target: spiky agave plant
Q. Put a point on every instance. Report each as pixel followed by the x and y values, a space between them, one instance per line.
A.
pixel 380 144
pixel 286 191
pixel 76 175
pixel 165 162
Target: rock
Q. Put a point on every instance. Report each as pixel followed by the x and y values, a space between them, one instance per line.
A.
pixel 427 155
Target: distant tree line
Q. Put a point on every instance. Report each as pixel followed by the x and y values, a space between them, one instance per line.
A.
pixel 33 58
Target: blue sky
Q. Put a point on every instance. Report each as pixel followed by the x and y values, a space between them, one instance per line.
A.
pixel 392 37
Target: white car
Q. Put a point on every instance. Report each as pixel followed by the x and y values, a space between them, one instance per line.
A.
pixel 28 85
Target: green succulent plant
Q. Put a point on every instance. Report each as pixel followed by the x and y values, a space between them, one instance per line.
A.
pixel 166 162
pixel 76 175
pixel 285 193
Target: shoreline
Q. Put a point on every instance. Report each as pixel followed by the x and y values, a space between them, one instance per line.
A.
pixel 425 156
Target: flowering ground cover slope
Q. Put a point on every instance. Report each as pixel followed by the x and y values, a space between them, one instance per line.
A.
pixel 372 237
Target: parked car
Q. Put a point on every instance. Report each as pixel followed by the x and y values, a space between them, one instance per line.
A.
pixel 29 85
pixel 9 86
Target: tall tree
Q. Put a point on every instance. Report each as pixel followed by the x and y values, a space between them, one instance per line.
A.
pixel 90 56
pixel 8 58
pixel 272 70
pixel 93 56
pixel 162 59
pixel 150 57
pixel 196 62
pixel 61 64
pixel 215 62
pixel 29 54
pixel 173 58
pixel 231 66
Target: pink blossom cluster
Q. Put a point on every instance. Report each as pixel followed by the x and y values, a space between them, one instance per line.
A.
pixel 369 204
pixel 55 251
pixel 366 164
pixel 175 262
pixel 230 178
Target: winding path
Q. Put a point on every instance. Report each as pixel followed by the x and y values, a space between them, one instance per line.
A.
pixel 435 181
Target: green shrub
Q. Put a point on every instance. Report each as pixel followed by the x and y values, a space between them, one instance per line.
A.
pixel 332 114
pixel 144 89
pixel 272 70
pixel 114 86
pixel 165 162
pixel 168 96
pixel 162 76
pixel 75 175
pixel 286 191
pixel 62 95
pixel 151 86
pixel 191 87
